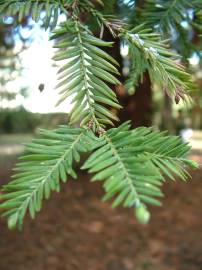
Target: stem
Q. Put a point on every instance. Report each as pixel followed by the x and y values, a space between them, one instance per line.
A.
pixel 84 69
pixel 128 178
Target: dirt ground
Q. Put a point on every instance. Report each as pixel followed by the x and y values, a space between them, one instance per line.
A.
pixel 75 230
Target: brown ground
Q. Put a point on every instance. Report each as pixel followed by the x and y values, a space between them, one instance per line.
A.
pixel 75 230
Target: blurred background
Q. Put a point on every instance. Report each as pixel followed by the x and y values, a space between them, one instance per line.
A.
pixel 75 230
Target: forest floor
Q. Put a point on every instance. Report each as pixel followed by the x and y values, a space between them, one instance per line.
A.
pixel 76 231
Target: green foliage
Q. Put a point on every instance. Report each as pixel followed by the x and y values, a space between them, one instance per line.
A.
pixel 168 15
pixel 87 70
pixel 133 164
pixel 197 22
pixel 149 53
pixel 176 20
pixel 119 161
pixel 25 8
pixel 49 159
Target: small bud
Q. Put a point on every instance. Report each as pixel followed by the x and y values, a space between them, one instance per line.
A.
pixel 177 99
pixel 142 214
pixel 90 124
pixel 131 91
pixel 12 221
pixel 101 131
pixel 193 164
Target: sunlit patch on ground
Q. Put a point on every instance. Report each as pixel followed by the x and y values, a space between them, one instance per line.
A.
pixel 13 144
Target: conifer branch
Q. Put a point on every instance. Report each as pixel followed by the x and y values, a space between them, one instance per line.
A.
pixel 167 15
pixel 49 159
pixel 149 53
pixel 133 164
pixel 86 74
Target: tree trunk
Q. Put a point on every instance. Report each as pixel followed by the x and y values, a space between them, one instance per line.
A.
pixel 167 118
pixel 138 107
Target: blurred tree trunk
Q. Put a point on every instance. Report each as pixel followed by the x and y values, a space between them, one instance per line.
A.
pixel 167 118
pixel 137 107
